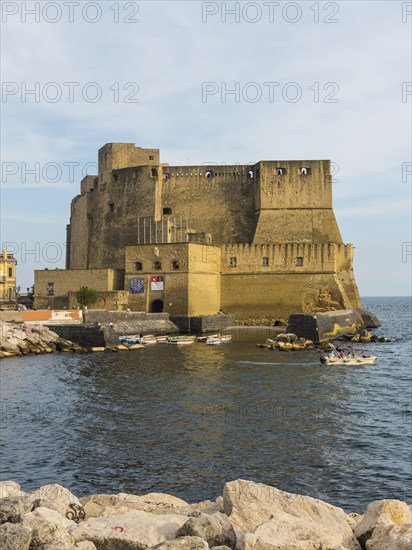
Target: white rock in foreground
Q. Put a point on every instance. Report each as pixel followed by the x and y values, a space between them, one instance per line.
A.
pixel 49 529
pixel 251 505
pixel 14 537
pixel 10 489
pixel 381 512
pixel 391 537
pixel 157 503
pixel 55 497
pixel 132 530
pixel 183 543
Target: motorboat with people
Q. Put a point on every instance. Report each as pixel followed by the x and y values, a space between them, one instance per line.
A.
pixel 338 357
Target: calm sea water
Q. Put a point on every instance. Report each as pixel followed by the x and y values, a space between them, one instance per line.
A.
pixel 185 420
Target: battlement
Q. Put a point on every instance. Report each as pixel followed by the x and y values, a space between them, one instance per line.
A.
pixel 295 257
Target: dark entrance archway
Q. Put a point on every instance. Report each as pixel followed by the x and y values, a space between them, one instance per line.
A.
pixel 156 306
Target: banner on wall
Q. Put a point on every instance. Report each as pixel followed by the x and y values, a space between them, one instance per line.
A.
pixel 156 283
pixel 137 285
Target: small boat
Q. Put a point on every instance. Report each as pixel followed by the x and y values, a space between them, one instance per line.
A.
pixel 181 341
pixel 137 339
pixel 218 339
pixel 335 358
pixel 204 338
pixel 149 339
pixel 358 361
pixel 161 338
pixel 131 339
pixel 215 339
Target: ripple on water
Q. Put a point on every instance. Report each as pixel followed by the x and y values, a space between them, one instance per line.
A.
pixel 186 421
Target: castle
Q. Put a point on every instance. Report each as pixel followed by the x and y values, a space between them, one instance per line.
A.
pixel 257 241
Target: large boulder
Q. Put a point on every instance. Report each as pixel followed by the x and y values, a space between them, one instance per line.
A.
pixel 156 503
pixel 381 512
pixel 249 505
pixel 49 529
pixel 292 533
pixel 10 488
pixel 56 497
pixel 14 537
pixel 132 530
pixel 85 545
pixel 216 529
pixel 391 537
pixel 13 507
pixel 205 506
pixel 183 543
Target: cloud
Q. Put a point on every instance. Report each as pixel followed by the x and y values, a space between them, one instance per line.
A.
pixel 364 58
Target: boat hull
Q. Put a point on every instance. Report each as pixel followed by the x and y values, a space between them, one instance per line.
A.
pixel 357 361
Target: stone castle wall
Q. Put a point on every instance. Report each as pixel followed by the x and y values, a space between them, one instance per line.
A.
pixel 271 225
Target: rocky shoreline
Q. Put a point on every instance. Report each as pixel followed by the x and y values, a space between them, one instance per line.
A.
pixel 18 339
pixel 248 516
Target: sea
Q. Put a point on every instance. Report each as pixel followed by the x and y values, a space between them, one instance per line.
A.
pixel 185 420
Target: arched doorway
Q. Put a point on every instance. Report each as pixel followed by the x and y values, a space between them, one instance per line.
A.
pixel 156 306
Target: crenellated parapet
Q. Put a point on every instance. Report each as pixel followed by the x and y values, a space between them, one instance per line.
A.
pixel 286 258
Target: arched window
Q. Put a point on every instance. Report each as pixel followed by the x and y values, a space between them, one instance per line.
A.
pixel 250 174
pixel 304 171
pixel 153 173
pixel 281 171
pixel 209 174
pixel 115 177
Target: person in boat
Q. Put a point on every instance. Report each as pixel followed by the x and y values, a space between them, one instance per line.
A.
pixel 352 354
pixel 341 354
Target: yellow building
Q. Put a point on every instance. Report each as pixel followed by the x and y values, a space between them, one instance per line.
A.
pixel 7 280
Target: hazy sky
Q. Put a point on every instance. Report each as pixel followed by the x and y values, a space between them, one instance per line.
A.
pixel 310 80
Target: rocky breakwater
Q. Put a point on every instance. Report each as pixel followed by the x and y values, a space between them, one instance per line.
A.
pixel 248 516
pixel 287 342
pixel 22 339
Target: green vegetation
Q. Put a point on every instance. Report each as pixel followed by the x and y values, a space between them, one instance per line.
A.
pixel 86 296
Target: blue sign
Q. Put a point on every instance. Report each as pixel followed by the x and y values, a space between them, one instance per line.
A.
pixel 137 285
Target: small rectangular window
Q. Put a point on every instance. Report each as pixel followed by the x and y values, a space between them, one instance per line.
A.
pixel 175 265
pixel 50 289
pixel 138 266
pixel 10 272
pixel 233 261
pixel 151 157
pixel 299 261
pixel 157 265
pixel 111 206
pixel 265 261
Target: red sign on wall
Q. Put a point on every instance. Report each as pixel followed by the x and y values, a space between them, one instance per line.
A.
pixel 156 283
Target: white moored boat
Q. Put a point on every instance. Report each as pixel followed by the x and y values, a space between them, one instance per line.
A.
pixel 218 339
pixel 181 340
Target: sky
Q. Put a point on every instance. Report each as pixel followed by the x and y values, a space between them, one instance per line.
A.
pixel 210 82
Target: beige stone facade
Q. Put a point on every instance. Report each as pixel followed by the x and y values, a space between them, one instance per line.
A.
pixel 257 241
pixel 7 280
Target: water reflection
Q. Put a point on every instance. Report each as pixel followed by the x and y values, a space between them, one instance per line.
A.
pixel 186 420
